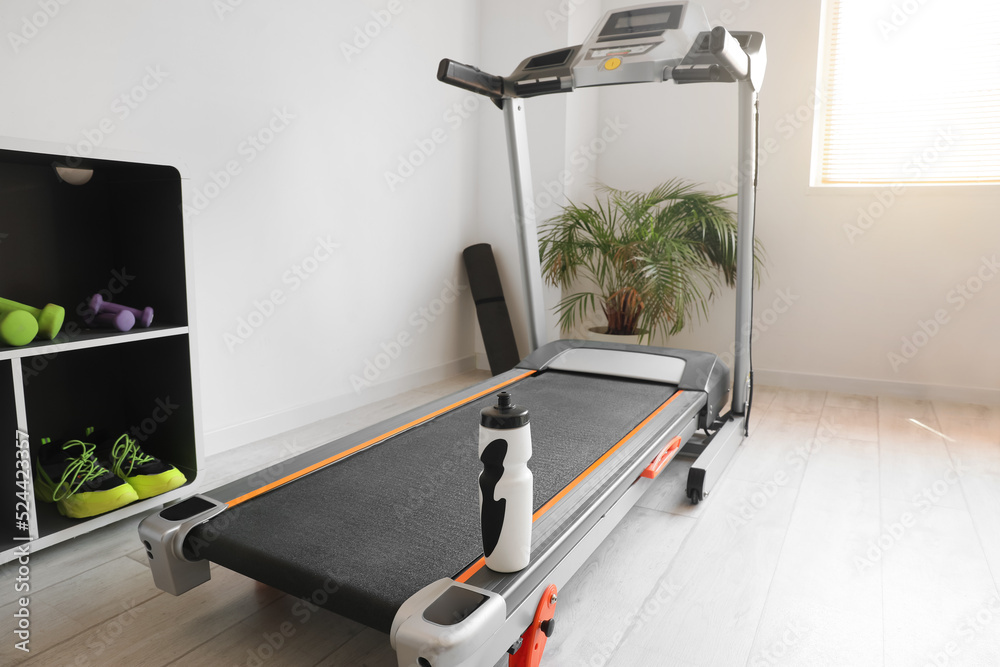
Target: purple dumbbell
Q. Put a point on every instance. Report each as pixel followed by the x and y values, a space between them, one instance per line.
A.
pixel 98 305
pixel 123 320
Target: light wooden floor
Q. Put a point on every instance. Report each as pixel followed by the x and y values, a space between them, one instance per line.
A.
pixel 849 530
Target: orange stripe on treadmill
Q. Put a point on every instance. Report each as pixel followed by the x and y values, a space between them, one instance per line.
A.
pixel 368 443
pixel 478 565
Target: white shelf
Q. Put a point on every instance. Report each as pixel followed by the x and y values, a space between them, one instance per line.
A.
pixel 84 526
pixel 86 339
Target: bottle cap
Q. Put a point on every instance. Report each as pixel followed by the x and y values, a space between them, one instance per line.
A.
pixel 504 414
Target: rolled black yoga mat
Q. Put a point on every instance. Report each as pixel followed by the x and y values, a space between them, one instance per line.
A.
pixel 491 308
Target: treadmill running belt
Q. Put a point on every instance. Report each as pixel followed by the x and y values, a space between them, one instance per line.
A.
pixel 361 536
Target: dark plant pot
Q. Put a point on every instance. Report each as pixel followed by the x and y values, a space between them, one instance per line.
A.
pixel 599 334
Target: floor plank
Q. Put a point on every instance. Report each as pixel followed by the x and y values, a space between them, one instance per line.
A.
pixel 626 578
pixel 802 401
pixel 721 577
pixel 288 631
pixel 51 566
pixel 915 460
pixel 851 401
pixel 982 492
pixel 163 628
pixel 49 627
pixel 778 449
pixel 851 423
pixel 935 576
pixel 668 492
pixel 366 649
pixel 823 590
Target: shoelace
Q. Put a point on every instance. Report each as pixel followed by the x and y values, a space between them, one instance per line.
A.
pixel 81 470
pixel 126 449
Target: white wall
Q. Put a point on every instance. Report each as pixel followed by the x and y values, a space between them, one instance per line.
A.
pixel 345 123
pixel 853 300
pixel 349 121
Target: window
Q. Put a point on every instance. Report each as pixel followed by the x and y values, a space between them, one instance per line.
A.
pixel 910 93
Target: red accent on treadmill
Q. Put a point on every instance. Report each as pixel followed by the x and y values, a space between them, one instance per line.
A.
pixel 534 638
pixel 662 459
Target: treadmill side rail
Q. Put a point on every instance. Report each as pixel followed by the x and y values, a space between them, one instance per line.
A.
pixel 163 535
pixel 446 624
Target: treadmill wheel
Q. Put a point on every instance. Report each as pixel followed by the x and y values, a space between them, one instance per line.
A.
pixel 693 496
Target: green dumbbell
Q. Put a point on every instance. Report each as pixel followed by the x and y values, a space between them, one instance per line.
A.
pixel 17 328
pixel 50 318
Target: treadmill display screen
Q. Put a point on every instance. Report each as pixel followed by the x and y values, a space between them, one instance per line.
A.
pixel 552 59
pixel 648 19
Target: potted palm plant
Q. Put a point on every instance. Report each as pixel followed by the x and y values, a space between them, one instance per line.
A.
pixel 654 259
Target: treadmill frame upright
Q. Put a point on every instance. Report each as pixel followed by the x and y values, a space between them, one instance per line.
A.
pixel 745 65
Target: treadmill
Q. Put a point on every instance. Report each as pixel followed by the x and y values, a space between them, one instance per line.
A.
pixel 382 526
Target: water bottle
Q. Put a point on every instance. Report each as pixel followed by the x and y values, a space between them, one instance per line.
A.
pixel 505 485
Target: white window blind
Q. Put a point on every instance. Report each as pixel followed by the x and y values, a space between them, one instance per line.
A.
pixel 910 93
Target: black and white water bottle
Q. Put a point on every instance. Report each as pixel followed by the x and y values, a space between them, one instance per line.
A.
pixel 505 485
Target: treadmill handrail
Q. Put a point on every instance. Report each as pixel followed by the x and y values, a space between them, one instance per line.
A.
pixel 471 78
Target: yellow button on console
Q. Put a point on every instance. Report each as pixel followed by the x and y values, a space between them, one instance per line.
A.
pixel 612 63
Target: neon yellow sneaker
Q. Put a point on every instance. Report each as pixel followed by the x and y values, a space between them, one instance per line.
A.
pixel 84 488
pixel 148 475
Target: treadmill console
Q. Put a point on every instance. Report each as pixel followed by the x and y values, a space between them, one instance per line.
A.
pixel 631 45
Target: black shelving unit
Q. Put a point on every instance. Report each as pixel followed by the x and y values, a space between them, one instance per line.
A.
pixel 120 234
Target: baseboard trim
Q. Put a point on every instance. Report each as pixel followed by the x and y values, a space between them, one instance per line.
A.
pixel 482 361
pixel 846 385
pixel 231 437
